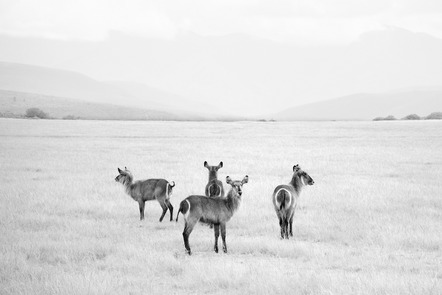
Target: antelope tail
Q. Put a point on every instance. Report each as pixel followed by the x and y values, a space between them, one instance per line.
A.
pixel 169 186
pixel 179 211
pixel 184 207
pixel 282 202
pixel 178 214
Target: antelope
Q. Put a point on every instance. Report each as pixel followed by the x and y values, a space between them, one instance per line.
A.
pixel 147 190
pixel 216 211
pixel 214 187
pixel 285 199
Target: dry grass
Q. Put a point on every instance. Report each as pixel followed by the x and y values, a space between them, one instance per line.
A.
pixel 371 224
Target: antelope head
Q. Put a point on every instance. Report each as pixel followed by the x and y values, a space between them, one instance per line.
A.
pixel 237 184
pixel 305 178
pixel 123 176
pixel 213 168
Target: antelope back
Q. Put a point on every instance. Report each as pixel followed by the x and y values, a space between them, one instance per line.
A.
pixel 214 187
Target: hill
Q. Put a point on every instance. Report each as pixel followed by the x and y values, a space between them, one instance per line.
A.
pixel 43 82
pixel 366 106
pixel 247 75
pixel 14 102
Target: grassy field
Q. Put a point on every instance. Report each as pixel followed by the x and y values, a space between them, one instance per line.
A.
pixel 371 224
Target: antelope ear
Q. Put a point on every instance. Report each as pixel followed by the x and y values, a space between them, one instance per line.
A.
pixel 205 164
pixel 245 179
pixel 220 165
pixel 296 167
pixel 228 180
pixel 119 170
pixel 125 168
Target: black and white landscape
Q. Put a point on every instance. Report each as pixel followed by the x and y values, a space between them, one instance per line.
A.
pixel 234 114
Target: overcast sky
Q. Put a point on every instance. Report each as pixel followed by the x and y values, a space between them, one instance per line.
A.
pixel 303 22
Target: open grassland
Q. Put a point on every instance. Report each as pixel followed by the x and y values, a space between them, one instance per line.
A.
pixel 371 224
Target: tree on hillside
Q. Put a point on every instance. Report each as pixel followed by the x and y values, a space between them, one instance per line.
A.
pixel 411 117
pixel 388 118
pixel 36 113
pixel 434 116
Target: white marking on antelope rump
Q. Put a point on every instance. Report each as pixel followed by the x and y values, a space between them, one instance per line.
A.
pixel 188 211
pixel 276 197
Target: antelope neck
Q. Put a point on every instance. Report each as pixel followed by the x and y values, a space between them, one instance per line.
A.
pixel 233 200
pixel 213 175
pixel 296 182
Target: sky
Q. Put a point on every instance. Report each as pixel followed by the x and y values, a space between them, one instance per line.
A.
pixel 302 22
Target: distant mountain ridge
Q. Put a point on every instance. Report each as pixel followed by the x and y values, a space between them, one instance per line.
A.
pixel 367 106
pixel 246 75
pixel 67 89
pixel 56 83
